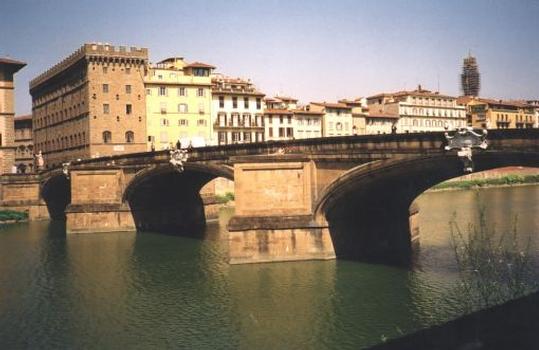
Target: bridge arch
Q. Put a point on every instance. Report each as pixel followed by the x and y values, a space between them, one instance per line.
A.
pixel 368 207
pixel 56 192
pixel 163 199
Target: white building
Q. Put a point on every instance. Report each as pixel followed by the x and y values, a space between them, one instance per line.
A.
pixel 419 110
pixel 237 111
pixel 337 119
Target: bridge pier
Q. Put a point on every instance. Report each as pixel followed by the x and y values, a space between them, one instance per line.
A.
pixel 273 219
pixel 96 202
pixel 21 192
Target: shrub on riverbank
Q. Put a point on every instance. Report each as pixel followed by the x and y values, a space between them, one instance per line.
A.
pixel 500 181
pixel 494 267
pixel 9 215
pixel 227 197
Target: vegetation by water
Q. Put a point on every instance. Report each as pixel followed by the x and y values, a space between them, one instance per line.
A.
pixel 11 215
pixel 227 197
pixel 500 181
pixel 494 267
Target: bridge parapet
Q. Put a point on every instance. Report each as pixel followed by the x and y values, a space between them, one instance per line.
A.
pixel 21 192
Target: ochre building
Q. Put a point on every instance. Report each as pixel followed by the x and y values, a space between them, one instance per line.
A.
pixel 498 114
pixel 24 152
pixel 91 104
pixel 8 68
pixel 178 104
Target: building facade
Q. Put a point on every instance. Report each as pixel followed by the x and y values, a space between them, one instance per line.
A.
pixel 178 103
pixel 419 110
pixel 24 153
pixel 278 124
pixel 359 112
pixel 8 68
pixel 337 119
pixel 237 111
pixel 535 105
pixel 470 79
pixel 499 114
pixel 90 104
pixel 306 124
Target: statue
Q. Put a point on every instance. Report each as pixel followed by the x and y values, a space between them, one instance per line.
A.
pixel 39 161
pixel 177 158
pixel 464 139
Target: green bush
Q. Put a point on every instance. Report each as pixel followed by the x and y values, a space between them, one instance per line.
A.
pixel 505 180
pixel 227 197
pixel 12 215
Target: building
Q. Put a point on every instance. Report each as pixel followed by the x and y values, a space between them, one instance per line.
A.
pixel 499 114
pixel 278 124
pixel 178 103
pixel 24 153
pixel 469 79
pixel 8 67
pixel 535 105
pixel 337 119
pixel 359 113
pixel 237 111
pixel 92 103
pixel 419 110
pixel 306 124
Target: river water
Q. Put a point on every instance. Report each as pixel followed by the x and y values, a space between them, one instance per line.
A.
pixel 153 291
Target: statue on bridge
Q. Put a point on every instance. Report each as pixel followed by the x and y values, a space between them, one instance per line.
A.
pixel 178 157
pixel 39 161
pixel 464 139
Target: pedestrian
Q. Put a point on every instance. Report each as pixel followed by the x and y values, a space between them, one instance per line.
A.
pixel 178 144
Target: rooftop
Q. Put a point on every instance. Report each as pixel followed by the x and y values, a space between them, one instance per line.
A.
pixel 331 105
pixel 199 65
pixel 277 111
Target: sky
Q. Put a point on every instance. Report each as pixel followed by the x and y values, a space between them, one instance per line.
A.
pixel 313 50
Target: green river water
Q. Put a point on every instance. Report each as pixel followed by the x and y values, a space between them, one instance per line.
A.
pixel 154 291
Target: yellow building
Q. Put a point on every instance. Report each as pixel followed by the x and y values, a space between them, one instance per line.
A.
pixel 178 104
pixel 498 114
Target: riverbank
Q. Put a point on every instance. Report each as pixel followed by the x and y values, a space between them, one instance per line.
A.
pixel 11 216
pixel 503 181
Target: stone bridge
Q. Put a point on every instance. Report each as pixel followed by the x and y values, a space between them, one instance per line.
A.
pixel 347 197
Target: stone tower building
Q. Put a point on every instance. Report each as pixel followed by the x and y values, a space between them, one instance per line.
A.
pixel 8 68
pixel 91 104
pixel 470 82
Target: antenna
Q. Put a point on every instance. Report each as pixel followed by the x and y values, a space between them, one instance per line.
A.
pixel 438 81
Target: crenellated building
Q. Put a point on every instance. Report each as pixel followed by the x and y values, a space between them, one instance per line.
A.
pixel 178 103
pixel 237 111
pixel 91 104
pixel 24 153
pixel 8 67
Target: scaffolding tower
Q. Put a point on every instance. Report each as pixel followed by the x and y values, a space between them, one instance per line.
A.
pixel 470 77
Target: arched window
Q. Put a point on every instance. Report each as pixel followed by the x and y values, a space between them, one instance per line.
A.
pixel 129 137
pixel 107 136
pixel 414 122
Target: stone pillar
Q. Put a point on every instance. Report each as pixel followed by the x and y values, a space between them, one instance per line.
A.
pixel 273 219
pixel 96 202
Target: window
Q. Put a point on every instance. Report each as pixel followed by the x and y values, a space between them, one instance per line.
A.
pixel 201 108
pixel 289 132
pixel 128 89
pixel 129 137
pixel 105 70
pixel 183 122
pixel 280 119
pixel 105 88
pixel 128 109
pixel 106 108
pixel 235 137
pixel 148 92
pixel 234 102
pixel 270 132
pixel 338 126
pixel 107 136
pixel 172 75
pixel 164 122
pixel 201 122
pixel 163 107
pixel 289 119
pixel 246 102
pixel 200 92
pixel 270 119
pixel 128 70
pixel 162 91
pixel 247 136
pixel 258 103
pixel 182 108
pixel 182 91
pixel 281 132
pixel 221 102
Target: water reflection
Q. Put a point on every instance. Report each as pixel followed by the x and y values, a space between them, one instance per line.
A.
pixel 149 290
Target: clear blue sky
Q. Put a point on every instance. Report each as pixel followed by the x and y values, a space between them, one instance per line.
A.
pixel 314 50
